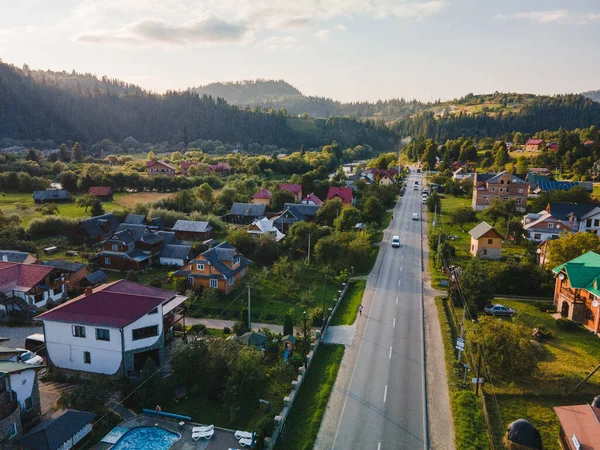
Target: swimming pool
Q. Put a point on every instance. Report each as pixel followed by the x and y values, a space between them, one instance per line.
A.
pixel 146 438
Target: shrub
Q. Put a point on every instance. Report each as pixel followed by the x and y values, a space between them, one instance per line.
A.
pixel 51 226
pixel 155 283
pixel 567 325
pixel 199 328
pixel 226 330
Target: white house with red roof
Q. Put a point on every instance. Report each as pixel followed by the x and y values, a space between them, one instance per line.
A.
pixel 345 194
pixel 535 145
pixel 157 167
pixel 29 286
pixel 112 330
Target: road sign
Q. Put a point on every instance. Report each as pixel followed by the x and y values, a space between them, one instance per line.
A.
pixel 474 380
pixel 460 344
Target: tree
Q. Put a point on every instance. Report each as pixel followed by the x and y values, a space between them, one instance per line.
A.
pixel 185 201
pixel 502 157
pixel 506 347
pixel 462 216
pixel 242 241
pixel 518 138
pixel 347 219
pixel 522 165
pixel 476 286
pixel 77 152
pixel 64 153
pixel 97 209
pixel 205 193
pixel 85 201
pixel 68 180
pixel 280 198
pixel 429 156
pixel 330 211
pixel 434 202
pixel 266 250
pixel 288 325
pixel 151 156
pixel 496 211
pixel 571 246
pixel 372 209
pixel 149 389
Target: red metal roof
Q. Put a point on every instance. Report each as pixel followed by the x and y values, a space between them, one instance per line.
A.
pixel 113 305
pixel 588 143
pixel 581 421
pixel 293 188
pixel 344 193
pixel 100 190
pixel 313 198
pixel 21 277
pixel 263 193
pixel 187 164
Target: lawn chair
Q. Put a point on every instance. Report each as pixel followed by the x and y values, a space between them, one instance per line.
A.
pixel 243 434
pixel 202 434
pixel 203 429
pixel 247 442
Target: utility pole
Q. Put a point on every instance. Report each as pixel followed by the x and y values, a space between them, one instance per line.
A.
pixel 478 372
pixel 249 319
pixel 324 291
pixel 309 249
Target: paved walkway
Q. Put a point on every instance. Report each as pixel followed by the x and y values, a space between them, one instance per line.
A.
pixel 220 324
pixel 342 334
pixel 120 409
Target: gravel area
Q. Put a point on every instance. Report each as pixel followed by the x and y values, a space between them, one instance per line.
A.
pixel 17 335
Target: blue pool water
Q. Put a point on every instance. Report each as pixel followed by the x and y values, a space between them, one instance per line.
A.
pixel 146 438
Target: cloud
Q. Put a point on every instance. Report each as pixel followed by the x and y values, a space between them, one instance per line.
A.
pixel 280 42
pixel 323 34
pixel 208 29
pixel 341 27
pixel 558 15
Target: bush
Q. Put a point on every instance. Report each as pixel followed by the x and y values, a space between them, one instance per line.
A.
pixel 567 325
pixel 51 226
pixel 155 283
pixel 199 328
pixel 226 330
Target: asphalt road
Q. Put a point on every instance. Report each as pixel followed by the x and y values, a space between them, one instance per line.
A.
pixel 384 407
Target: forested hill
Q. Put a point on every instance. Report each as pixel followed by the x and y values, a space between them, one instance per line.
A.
pixel 594 95
pixel 32 108
pixel 278 94
pixel 536 114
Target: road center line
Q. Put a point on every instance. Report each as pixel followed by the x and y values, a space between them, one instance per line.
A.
pixel 379 446
pixel 399 282
pixel 390 353
pixel 385 394
pixel 396 300
pixel 394 324
pixel 400 268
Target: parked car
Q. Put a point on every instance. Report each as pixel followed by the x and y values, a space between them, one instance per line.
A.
pixel 425 190
pixel 28 357
pixel 396 241
pixel 36 344
pixel 499 310
pixel 415 188
pixel 415 216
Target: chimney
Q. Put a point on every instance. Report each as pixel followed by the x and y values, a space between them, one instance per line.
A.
pixel 89 290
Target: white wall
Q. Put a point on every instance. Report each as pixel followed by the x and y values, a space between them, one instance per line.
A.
pixel 147 320
pixel 66 350
pixel 22 384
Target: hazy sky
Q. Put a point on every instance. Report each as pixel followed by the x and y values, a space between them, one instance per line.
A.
pixel 344 49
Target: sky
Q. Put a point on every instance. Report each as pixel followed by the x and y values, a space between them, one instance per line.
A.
pixel 348 50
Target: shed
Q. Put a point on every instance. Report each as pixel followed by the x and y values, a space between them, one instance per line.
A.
pixel 61 433
pixel 51 196
pixel 192 229
pixel 289 342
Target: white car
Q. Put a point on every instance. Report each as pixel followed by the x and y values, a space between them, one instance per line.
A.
pixel 424 200
pixel 396 241
pixel 28 357
pixel 415 216
pixel 425 190
pixel 415 188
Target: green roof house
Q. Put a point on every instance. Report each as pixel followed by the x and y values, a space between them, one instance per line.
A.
pixel 577 290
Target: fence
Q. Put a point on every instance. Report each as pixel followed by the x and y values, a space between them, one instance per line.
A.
pixel 280 419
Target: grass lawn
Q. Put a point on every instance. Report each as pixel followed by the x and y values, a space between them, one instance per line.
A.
pixel 570 356
pixel 145 277
pixel 596 192
pixel 129 200
pixel 348 308
pixel 309 407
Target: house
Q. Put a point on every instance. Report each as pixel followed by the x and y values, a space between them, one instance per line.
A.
pixel 255 339
pixel 135 219
pixel 175 255
pixel 579 217
pixel 113 329
pixel 579 426
pixel 72 272
pixel 577 290
pixel 62 433
pixel 504 186
pixel 19 399
pixel 104 193
pixel 219 268
pixel 95 229
pixel 535 145
pixel 29 286
pixel 246 212
pixel 461 173
pixel 17 257
pixel 486 242
pixel 544 226
pixel 192 229
pixel 93 279
pixel 51 196
pixel 185 166
pixel 345 194
pixel 312 199
pixel 222 169
pixel 262 197
pixel 131 247
pixel 294 189
pixel 386 180
pixel 552 146
pixel 292 213
pixel 160 168
pixel 264 227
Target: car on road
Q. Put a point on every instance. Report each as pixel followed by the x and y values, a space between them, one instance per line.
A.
pixel 424 199
pixel 28 357
pixel 425 190
pixel 415 216
pixel 499 310
pixel 416 188
pixel 396 241
pixel 416 182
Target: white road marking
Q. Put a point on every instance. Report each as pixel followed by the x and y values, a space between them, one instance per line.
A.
pixel 399 282
pixel 402 257
pixel 394 325
pixel 379 446
pixel 396 300
pixel 390 353
pixel 385 394
pixel 400 268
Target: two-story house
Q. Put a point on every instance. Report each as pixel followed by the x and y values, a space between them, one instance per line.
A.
pixel 185 167
pixel 246 212
pixel 160 168
pixel 535 145
pixel 19 399
pixel 504 186
pixel 127 250
pixel 29 286
pixel 113 329
pixel 193 229
pixel 312 199
pixel 95 229
pixel 577 290
pixel 222 169
pixel 265 227
pixel 486 242
pixel 345 194
pixel 221 268
pixel 262 197
pixel 543 226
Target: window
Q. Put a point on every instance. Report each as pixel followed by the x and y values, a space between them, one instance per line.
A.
pixel 12 431
pixel 230 281
pixel 214 283
pixel 78 331
pixel 484 251
pixel 200 267
pixel 107 261
pixel 588 223
pixel 501 181
pixel 597 222
pixel 472 247
pixel 115 248
pixel 501 189
pixel 154 311
pixel 519 201
pixel 508 182
pixel 505 199
pixel 490 241
pixel 521 191
pixel 87 358
pixel 492 188
pixel 191 281
pixel 28 404
pixel 102 334
pixel 550 225
pixel 485 199
pixel 145 332
pixel 537 236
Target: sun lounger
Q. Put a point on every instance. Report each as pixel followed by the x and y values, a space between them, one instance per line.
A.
pixel 202 434
pixel 203 429
pixel 243 434
pixel 246 442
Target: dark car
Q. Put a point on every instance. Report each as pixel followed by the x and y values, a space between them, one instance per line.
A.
pixel 499 310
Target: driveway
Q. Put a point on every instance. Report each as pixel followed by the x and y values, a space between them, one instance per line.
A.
pixel 17 335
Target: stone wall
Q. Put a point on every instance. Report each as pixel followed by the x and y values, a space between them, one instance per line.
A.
pixel 6 426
